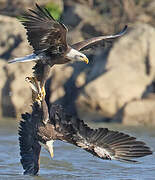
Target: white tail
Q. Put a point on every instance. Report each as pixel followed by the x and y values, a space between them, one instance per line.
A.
pixel 31 57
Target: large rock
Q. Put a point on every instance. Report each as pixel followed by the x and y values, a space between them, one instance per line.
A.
pixel 13 42
pixel 86 22
pixel 2 83
pixel 130 70
pixel 140 112
pixel 63 87
pixel 60 75
pixel 15 93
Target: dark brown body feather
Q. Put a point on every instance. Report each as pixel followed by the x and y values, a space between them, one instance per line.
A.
pixel 101 142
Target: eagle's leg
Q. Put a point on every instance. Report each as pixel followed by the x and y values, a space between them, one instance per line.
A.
pixel 38 93
pixel 41 72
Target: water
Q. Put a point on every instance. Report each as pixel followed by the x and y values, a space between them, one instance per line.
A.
pixel 72 163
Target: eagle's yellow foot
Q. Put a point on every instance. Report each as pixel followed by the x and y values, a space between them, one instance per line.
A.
pixel 37 98
pixel 38 93
pixel 43 92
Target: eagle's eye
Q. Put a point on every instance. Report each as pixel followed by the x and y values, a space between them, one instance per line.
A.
pixel 60 49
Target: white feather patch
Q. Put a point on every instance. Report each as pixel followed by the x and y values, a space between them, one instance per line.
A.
pixel 103 153
pixel 31 57
pixel 73 53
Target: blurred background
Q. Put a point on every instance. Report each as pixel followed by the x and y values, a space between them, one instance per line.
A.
pixel 118 85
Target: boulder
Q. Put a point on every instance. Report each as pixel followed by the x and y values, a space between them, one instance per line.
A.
pixel 13 42
pixel 64 86
pixel 59 76
pixel 128 72
pixel 15 93
pixel 140 112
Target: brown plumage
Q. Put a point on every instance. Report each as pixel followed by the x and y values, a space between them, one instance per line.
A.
pixel 97 41
pixel 103 143
pixel 44 33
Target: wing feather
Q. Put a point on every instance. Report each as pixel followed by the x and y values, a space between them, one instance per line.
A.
pixel 97 41
pixel 43 32
pixel 101 142
pixel 29 146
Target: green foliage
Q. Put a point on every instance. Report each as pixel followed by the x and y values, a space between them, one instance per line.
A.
pixel 54 9
pixel 20 18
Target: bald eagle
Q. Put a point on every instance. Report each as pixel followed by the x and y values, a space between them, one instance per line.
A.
pixel 48 39
pixel 42 128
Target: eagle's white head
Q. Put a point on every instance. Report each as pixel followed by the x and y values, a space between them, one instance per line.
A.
pixel 75 55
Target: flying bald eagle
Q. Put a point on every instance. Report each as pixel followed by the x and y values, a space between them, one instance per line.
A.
pixel 48 39
pixel 43 128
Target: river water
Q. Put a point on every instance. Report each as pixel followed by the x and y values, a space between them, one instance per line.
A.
pixel 72 163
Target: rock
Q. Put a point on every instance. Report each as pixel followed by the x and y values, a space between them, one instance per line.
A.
pixel 81 80
pixel 13 42
pixel 15 93
pixel 2 84
pixel 65 84
pixel 60 74
pixel 113 89
pixel 139 112
pixel 129 71
pixel 84 19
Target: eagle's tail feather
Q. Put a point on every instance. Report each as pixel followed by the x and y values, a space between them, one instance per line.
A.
pixel 31 57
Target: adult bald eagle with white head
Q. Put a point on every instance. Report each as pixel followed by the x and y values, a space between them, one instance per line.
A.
pixel 48 39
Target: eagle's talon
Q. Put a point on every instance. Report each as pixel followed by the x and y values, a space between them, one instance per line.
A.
pixel 43 92
pixel 38 93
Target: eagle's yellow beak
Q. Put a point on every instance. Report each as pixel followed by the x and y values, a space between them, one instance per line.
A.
pixel 51 153
pixel 49 147
pixel 85 59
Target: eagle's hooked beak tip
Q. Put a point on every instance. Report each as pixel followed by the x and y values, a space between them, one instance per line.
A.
pixel 52 154
pixel 49 145
pixel 85 59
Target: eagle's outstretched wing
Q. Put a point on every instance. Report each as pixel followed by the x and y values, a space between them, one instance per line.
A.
pixel 29 146
pixel 97 41
pixel 102 142
pixel 43 32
